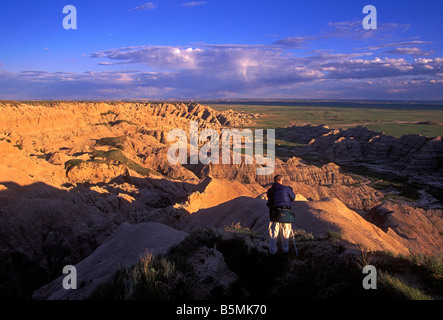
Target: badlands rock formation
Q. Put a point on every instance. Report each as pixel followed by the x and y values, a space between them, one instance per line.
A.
pixel 413 155
pixel 308 180
pixel 316 217
pixel 415 228
pixel 82 181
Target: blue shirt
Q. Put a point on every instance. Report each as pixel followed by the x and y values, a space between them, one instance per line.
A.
pixel 280 195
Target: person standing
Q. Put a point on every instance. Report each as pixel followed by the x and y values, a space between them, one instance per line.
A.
pixel 279 198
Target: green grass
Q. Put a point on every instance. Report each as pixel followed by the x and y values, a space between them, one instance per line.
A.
pixel 397 130
pixel 114 123
pixel 400 288
pixel 164 277
pixel 393 121
pixel 170 276
pixel 433 264
pixel 401 188
pixel 285 149
pixel 262 276
pixel 115 142
pixel 238 229
pixel 109 112
pixel 71 164
pixel 333 235
pixel 148 280
pixel 100 156
pixel 118 156
pixel 284 143
pixel 372 174
pixel 301 235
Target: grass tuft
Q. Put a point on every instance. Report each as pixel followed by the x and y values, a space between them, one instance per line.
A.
pixel 333 235
pixel 238 229
pixel 71 164
pixel 301 235
pixel 433 264
pixel 148 280
pixel 115 142
pixel 400 288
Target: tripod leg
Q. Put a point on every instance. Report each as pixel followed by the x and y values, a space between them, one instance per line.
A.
pixel 263 236
pixel 293 240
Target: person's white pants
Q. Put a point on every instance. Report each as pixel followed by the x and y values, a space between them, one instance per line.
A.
pixel 285 231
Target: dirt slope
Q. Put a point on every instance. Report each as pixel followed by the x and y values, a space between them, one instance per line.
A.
pixel 316 217
pixel 123 249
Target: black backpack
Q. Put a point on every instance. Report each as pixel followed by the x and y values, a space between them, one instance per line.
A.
pixel 282 215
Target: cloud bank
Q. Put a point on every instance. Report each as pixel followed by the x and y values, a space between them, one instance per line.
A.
pixel 386 69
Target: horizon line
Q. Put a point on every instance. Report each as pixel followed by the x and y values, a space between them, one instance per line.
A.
pixel 227 100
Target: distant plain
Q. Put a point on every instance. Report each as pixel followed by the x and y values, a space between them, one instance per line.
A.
pixel 393 118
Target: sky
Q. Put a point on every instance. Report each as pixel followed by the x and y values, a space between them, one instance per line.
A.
pixel 221 49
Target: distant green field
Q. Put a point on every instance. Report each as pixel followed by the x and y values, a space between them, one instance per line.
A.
pixel 393 121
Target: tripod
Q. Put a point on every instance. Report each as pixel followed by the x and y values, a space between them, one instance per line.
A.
pixel 293 240
pixel 263 236
pixel 267 231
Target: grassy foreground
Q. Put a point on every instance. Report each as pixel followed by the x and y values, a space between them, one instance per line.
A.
pixel 320 271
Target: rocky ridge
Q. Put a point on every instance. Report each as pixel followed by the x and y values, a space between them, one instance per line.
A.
pixel 413 155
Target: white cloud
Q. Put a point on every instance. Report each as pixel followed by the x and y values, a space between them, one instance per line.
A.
pixel 194 4
pixel 254 74
pixel 398 44
pixel 353 30
pixel 294 42
pixel 411 51
pixel 145 6
pixel 259 69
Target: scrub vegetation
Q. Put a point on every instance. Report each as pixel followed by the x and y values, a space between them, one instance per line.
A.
pixel 318 272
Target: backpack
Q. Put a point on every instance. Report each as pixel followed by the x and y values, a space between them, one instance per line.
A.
pixel 282 215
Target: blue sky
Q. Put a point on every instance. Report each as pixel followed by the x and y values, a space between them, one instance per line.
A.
pixel 172 49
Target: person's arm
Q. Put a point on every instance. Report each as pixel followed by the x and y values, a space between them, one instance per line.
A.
pixel 270 202
pixel 291 193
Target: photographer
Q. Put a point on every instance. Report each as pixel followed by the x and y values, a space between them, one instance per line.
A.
pixel 280 214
